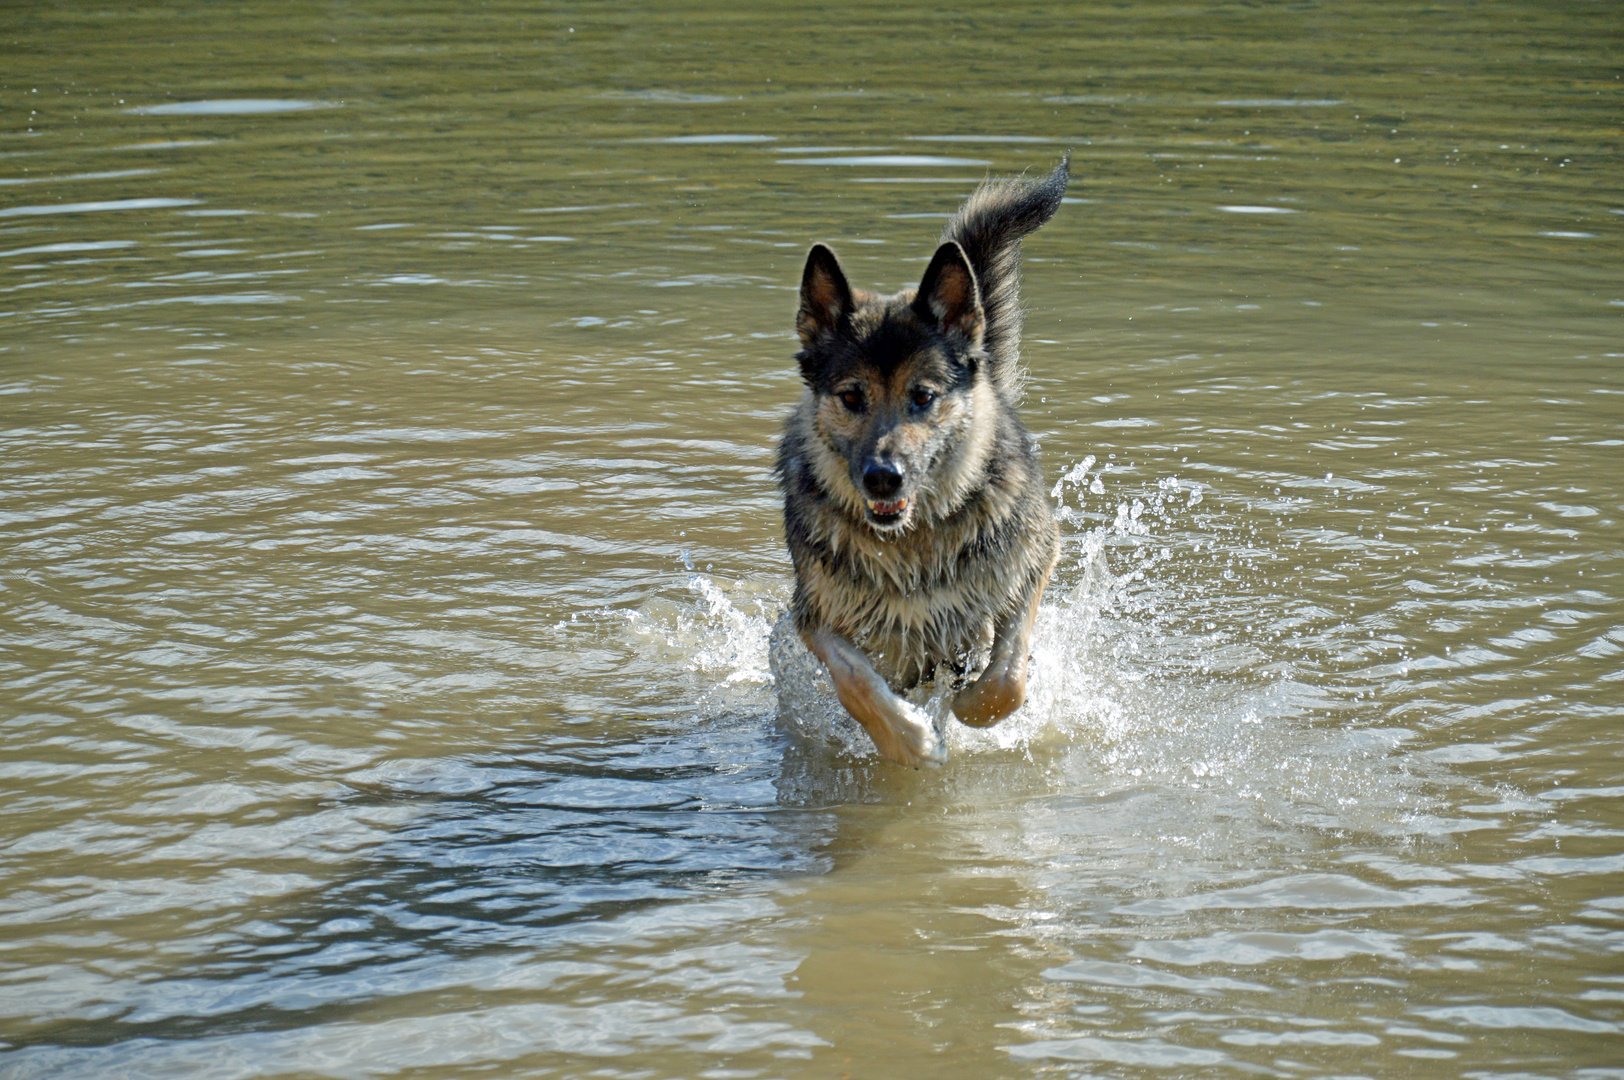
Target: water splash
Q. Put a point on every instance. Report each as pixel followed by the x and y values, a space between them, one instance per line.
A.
pixel 719 638
pixel 1123 684
pixel 739 651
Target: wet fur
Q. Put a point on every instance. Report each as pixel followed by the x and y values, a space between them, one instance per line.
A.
pixel 960 569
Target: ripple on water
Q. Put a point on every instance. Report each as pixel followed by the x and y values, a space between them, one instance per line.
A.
pixel 94 207
pixel 231 107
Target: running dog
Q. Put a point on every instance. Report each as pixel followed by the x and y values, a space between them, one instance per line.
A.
pixel 914 511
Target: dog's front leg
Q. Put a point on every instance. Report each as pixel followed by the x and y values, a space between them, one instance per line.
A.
pixel 902 731
pixel 1001 688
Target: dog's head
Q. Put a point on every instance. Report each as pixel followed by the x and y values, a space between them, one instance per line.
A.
pixel 897 385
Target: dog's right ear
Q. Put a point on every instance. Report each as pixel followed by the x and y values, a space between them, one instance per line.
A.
pixel 825 296
pixel 949 295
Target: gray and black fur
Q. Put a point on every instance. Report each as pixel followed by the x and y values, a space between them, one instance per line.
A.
pixel 914 508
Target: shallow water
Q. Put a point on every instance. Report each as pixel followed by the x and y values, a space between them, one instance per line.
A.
pixel 390 546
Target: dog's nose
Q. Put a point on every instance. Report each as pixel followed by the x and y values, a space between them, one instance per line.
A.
pixel 882 479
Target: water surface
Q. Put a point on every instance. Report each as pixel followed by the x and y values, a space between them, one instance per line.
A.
pixel 390 546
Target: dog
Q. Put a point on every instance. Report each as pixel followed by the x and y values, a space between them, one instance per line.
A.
pixel 914 510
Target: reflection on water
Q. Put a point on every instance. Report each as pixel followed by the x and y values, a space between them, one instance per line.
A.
pixel 391 553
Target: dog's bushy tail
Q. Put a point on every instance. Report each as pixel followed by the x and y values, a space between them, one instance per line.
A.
pixel 989 227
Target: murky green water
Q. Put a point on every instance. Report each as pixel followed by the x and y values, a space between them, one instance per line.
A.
pixel 389 545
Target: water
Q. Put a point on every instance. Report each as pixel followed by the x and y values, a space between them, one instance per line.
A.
pixel 391 554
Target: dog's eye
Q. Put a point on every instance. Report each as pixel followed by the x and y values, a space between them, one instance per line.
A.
pixel 852 400
pixel 922 399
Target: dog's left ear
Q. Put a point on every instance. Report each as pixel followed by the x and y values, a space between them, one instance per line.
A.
pixel 948 293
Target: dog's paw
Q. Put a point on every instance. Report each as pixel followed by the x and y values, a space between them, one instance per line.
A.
pixel 989 699
pixel 916 742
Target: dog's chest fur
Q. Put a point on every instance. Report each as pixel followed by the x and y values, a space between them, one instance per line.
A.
pixel 928 596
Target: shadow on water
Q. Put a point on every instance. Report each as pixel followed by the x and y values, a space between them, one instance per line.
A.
pixel 553 853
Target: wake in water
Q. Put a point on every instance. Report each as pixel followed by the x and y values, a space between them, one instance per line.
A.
pixel 1125 683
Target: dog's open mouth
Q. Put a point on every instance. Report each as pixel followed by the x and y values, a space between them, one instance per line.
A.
pixel 886 513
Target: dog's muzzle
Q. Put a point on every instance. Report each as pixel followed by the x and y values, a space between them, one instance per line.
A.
pixel 882 486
